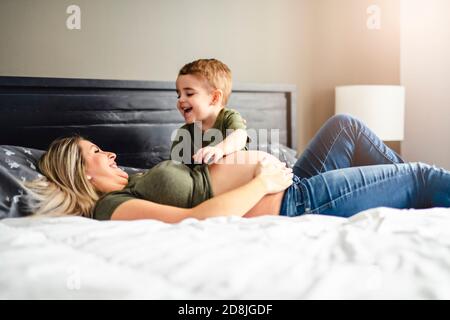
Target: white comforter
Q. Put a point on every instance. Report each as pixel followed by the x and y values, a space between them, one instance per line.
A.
pixel 381 253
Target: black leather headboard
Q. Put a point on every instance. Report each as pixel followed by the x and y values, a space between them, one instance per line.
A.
pixel 134 119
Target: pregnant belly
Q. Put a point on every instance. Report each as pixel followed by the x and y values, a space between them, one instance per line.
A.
pixel 238 169
pixel 269 205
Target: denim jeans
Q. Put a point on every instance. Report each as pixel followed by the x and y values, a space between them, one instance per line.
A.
pixel 346 169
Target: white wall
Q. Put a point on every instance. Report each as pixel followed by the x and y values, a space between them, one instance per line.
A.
pixel 425 71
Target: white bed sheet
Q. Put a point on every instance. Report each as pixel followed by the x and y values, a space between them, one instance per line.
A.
pixel 378 254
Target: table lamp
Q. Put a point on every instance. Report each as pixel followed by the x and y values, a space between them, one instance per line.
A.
pixel 380 107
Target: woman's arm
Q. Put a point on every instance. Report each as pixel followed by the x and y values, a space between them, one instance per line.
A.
pixel 233 203
pixel 237 202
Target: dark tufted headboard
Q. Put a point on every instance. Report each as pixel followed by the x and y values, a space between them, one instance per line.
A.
pixel 134 119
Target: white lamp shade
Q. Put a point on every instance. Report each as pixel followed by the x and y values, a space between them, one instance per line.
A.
pixel 381 108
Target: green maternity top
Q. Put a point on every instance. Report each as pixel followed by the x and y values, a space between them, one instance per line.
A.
pixel 168 183
pixel 227 121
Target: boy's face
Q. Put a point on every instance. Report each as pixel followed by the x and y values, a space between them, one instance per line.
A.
pixel 195 98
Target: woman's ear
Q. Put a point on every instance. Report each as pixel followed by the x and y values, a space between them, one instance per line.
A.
pixel 217 97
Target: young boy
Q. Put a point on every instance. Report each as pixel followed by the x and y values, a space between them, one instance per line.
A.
pixel 211 130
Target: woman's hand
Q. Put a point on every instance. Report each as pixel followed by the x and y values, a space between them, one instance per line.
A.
pixel 276 177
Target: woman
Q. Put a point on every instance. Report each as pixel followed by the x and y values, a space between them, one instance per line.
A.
pixel 344 170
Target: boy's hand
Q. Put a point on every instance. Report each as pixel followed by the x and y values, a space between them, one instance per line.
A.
pixel 208 155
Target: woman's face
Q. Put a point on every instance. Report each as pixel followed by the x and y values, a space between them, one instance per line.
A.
pixel 101 169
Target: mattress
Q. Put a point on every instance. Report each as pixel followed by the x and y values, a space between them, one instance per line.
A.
pixel 378 254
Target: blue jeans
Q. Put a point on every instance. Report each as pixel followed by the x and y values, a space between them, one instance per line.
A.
pixel 346 169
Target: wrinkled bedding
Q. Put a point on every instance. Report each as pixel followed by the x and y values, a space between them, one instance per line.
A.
pixel 378 254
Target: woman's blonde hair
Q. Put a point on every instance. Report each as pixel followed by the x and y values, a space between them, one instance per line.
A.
pixel 65 189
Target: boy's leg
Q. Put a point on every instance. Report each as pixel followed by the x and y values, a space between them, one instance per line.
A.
pixel 343 142
pixel 348 191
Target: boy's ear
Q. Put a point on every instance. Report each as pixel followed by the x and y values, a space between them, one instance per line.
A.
pixel 217 97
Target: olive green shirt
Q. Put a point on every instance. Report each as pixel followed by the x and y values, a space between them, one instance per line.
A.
pixel 227 120
pixel 167 183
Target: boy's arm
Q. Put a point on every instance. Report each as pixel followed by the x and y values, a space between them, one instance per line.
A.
pixel 238 139
pixel 234 142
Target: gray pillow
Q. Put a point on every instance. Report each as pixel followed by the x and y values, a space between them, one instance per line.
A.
pixel 17 165
pixel 282 152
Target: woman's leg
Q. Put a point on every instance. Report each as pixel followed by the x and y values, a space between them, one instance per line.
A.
pixel 343 142
pixel 348 191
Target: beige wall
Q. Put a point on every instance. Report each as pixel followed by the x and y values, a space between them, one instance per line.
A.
pixel 315 44
pixel 426 75
pixel 346 52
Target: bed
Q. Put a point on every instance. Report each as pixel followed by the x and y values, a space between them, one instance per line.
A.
pixel 381 253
